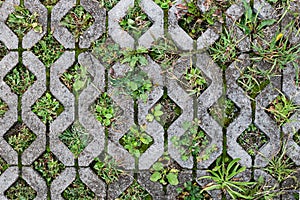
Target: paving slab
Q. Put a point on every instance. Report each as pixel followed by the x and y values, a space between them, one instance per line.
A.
pixel 158 127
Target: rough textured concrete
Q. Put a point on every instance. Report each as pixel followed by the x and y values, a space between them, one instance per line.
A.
pixel 77 106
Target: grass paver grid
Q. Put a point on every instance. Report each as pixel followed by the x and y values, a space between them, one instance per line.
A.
pixel 202 102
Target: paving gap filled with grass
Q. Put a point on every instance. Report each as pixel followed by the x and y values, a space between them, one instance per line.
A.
pixel 136 84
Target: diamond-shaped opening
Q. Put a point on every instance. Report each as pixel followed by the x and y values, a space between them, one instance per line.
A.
pixel 78 190
pixel 135 191
pixel 136 141
pixel 251 27
pixel 48 166
pixel 48 49
pixel 21 21
pixel 194 22
pixel 193 142
pixel 191 21
pixel 108 5
pixel 246 26
pixel 20 190
pixel 224 111
pixel 136 21
pixel 107 51
pixel 19 137
pixel 165 171
pixel 3 165
pixel 106 110
pixel 3 50
pixel 47 108
pixel 252 80
pixel 164 52
pixel 192 190
pixel 135 83
pixel 252 24
pixel 296 137
pixel 77 20
pixel 3 108
pixel 165 111
pixel 76 78
pixel 225 50
pixel 281 109
pixel 107 168
pixel 49 3
pixel 20 79
pixel 76 138
pixel 194 81
pixel 226 164
pixel 281 166
pixel 252 139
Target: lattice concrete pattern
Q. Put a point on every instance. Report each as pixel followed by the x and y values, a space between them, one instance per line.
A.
pixel 133 99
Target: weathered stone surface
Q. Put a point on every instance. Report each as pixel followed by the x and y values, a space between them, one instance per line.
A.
pixel 236 94
pixel 28 99
pixel 11 116
pixel 166 81
pixel 66 118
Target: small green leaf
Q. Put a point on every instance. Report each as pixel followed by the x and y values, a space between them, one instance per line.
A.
pixel 133 86
pixel 143 61
pixel 210 21
pixel 172 178
pixel 149 117
pixel 131 22
pixel 157 107
pixel 108 116
pixel 267 22
pixel 158 166
pixel 145 140
pixel 164 5
pixel 155 176
pixel 158 113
